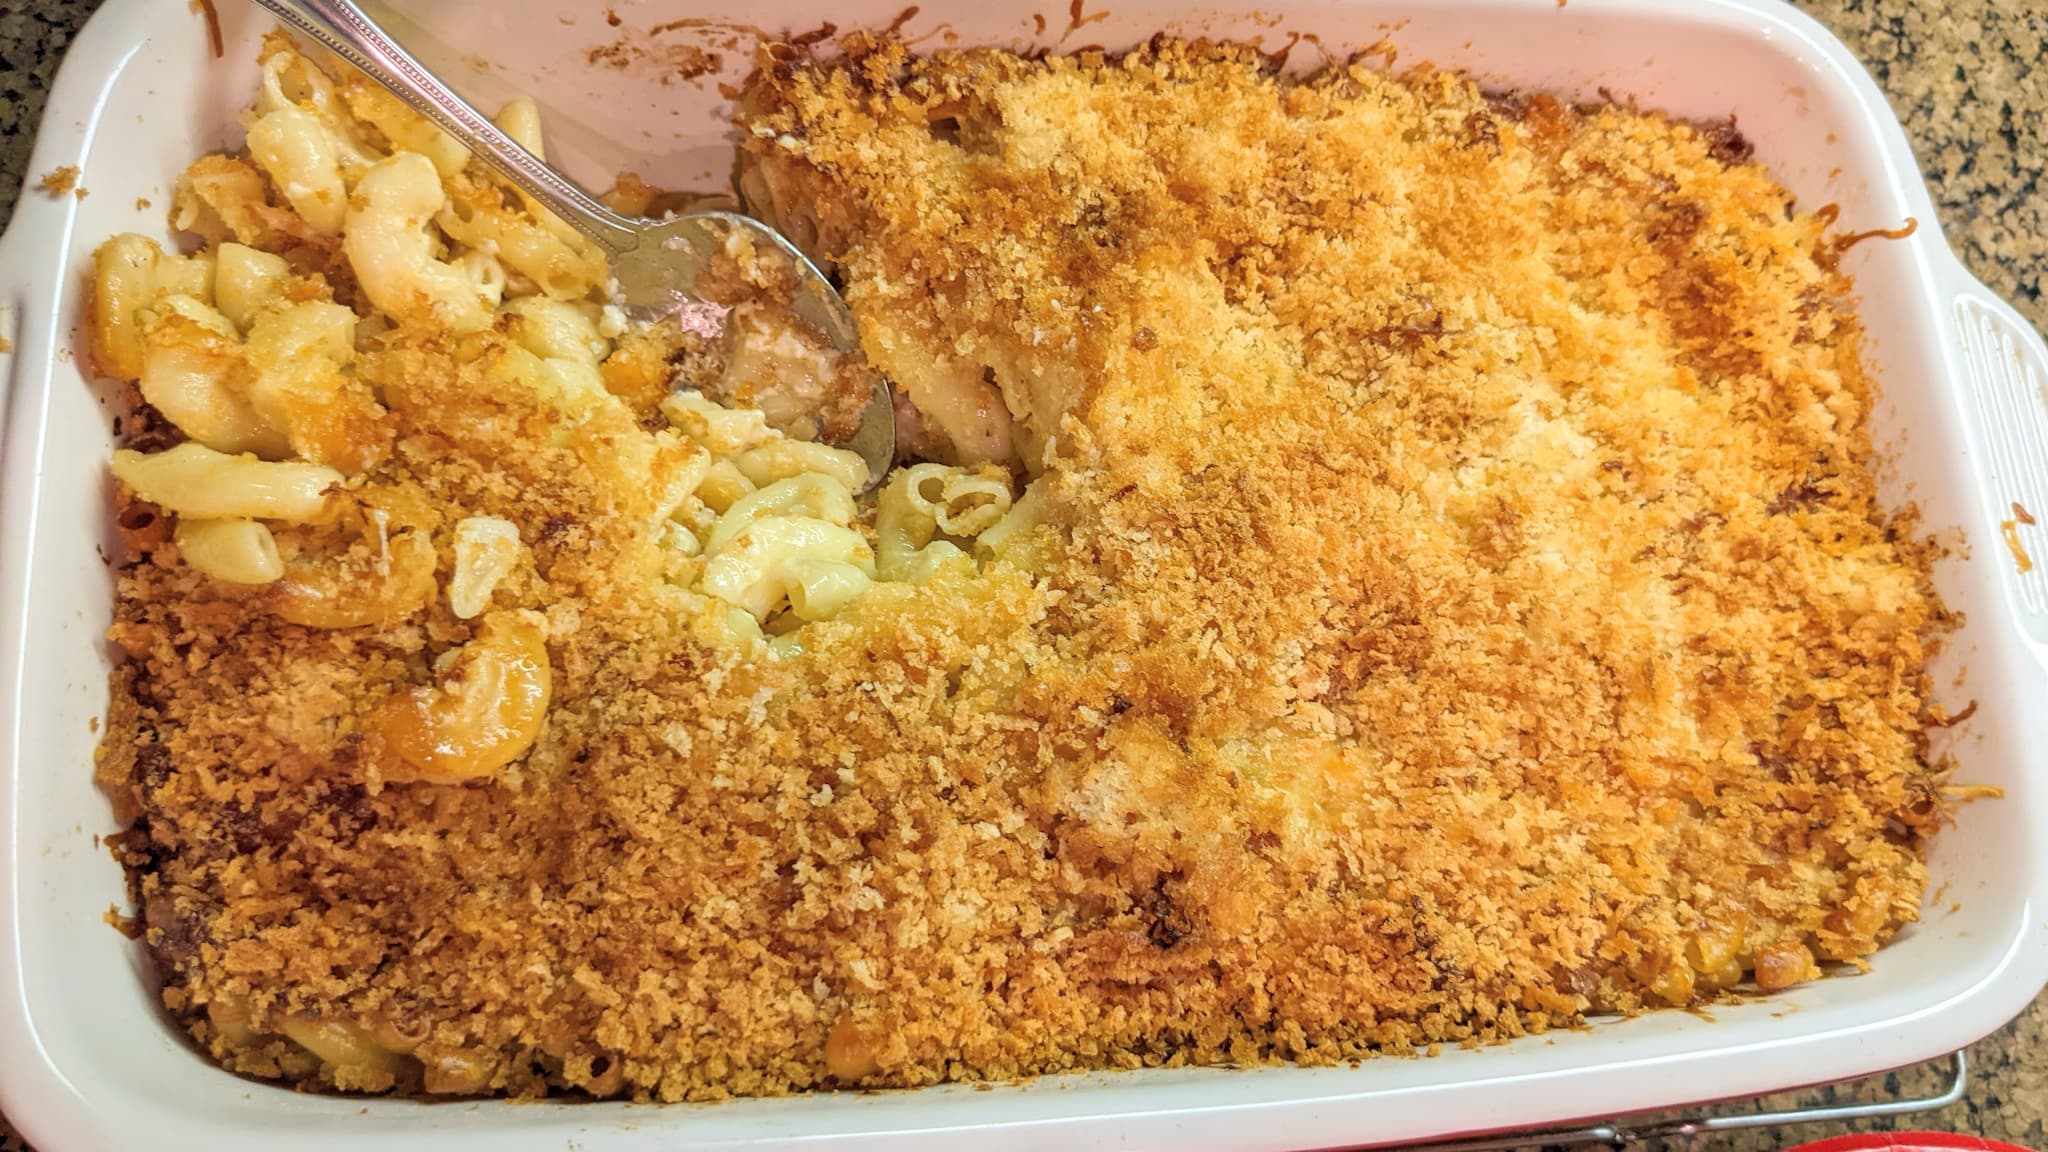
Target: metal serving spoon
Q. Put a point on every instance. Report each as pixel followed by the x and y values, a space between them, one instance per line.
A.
pixel 656 262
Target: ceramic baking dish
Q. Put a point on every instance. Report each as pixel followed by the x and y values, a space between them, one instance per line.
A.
pixel 88 1061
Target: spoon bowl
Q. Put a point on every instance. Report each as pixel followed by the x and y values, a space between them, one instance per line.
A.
pixel 665 267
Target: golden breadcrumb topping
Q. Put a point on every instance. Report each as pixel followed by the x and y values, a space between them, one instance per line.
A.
pixel 1460 606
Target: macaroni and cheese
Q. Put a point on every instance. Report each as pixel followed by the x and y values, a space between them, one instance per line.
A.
pixel 1377 565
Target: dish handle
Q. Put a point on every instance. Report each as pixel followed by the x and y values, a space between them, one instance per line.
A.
pixel 2004 377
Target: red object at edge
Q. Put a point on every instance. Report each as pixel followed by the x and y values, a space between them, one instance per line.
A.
pixel 1907 1142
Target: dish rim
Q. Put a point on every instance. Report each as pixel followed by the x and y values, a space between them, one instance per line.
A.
pixel 43 1100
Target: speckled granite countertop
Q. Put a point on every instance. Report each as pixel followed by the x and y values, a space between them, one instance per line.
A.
pixel 1961 74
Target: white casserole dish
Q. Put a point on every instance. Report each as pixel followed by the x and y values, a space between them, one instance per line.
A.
pixel 87 1060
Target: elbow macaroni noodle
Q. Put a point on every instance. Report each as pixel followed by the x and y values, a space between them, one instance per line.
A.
pixel 192 371
pixel 390 245
pixel 296 150
pixel 486 549
pixel 483 714
pixel 237 551
pixel 758 566
pixel 246 280
pixel 194 480
pixel 925 504
pixel 131 276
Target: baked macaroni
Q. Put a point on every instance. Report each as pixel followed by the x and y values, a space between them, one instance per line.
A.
pixel 1376 565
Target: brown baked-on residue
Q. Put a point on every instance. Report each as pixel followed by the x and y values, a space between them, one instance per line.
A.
pixel 1463 607
pixel 59 182
pixel 211 15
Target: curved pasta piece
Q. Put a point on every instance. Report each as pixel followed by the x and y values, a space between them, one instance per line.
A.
pixel 373 587
pixel 563 350
pixel 1008 538
pixel 722 487
pixel 193 372
pixel 971 503
pixel 234 551
pixel 520 119
pixel 226 196
pixel 486 550
pixel 247 280
pixel 290 80
pixel 485 712
pixel 388 244
pixel 353 1058
pixel 405 129
pixel 130 274
pixel 924 501
pixel 194 480
pixel 564 268
pixel 729 627
pixel 577 389
pixel 907 546
pixel 753 570
pixel 295 150
pixel 233 1020
pixel 725 431
pixel 816 497
pixel 822 589
pixel 298 355
pixel 486 275
pixel 785 458
pixel 557 330
pixel 450 1071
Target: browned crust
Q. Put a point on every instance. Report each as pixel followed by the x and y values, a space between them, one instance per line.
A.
pixel 1465 606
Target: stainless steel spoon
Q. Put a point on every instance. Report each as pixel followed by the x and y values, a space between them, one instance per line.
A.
pixel 656 262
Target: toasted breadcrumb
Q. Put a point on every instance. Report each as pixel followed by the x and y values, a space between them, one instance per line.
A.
pixel 1464 606
pixel 59 182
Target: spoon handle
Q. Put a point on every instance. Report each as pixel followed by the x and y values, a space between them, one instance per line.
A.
pixel 350 32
